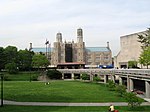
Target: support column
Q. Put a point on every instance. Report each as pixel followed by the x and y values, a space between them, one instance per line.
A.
pixel 120 81
pixel 62 75
pixel 113 78
pixel 131 84
pixel 128 84
pixel 80 76
pixel 105 78
pixel 91 77
pixel 72 76
pixel 147 89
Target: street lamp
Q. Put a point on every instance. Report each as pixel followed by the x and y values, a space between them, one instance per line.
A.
pixel 2 78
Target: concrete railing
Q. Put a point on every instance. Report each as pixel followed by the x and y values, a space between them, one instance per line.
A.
pixel 138 72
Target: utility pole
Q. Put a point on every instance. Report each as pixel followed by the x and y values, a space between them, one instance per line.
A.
pixel 2 78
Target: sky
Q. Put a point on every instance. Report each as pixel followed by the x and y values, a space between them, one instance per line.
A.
pixel 33 21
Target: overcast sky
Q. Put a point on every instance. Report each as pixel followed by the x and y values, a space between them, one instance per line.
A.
pixel 32 21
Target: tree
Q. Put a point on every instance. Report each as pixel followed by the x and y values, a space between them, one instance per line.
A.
pixel 11 54
pixel 39 60
pixel 132 64
pixel 133 100
pixel 11 67
pixel 145 39
pixel 121 89
pixel 111 85
pixel 2 59
pixel 25 59
pixel 145 57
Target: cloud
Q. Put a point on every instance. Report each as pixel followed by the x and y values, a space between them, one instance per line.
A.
pixel 25 21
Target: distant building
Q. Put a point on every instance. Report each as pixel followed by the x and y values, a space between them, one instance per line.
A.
pixel 130 50
pixel 71 52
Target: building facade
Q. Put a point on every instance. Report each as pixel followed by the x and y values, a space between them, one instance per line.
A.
pixel 77 52
pixel 130 50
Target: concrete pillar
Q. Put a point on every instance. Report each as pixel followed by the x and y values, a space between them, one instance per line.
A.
pixel 147 89
pixel 128 84
pixel 105 78
pixel 62 75
pixel 80 76
pixel 91 77
pixel 72 76
pixel 131 84
pixel 120 81
pixel 113 78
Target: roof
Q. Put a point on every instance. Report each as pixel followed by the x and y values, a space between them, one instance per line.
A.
pixel 42 49
pixel 72 63
pixel 97 49
pixel 90 49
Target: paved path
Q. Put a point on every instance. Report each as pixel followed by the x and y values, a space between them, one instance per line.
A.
pixel 6 102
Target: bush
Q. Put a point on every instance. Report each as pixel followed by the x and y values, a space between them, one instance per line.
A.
pixel 121 89
pixel 111 85
pixel 85 76
pixel 95 78
pixel 54 74
pixel 11 67
pixel 34 77
pixel 133 100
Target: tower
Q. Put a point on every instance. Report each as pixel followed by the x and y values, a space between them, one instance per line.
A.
pixel 79 35
pixel 59 37
pixel 80 46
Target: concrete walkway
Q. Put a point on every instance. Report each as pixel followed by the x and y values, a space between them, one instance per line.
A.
pixel 6 102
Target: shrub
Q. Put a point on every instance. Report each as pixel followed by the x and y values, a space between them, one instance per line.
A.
pixel 111 85
pixel 121 89
pixel 85 76
pixel 34 77
pixel 95 78
pixel 54 74
pixel 11 67
pixel 133 100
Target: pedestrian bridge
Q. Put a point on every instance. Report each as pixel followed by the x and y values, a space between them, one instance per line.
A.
pixel 129 77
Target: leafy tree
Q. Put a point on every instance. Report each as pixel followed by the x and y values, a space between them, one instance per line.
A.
pixel 11 67
pixel 111 85
pixel 39 60
pixel 11 54
pixel 145 57
pixel 133 100
pixel 145 39
pixel 132 64
pixel 121 89
pixel 25 59
pixel 2 59
pixel 85 76
pixel 54 74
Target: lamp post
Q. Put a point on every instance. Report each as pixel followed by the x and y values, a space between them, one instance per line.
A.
pixel 2 78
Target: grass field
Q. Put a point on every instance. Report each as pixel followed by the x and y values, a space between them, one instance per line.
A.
pixel 67 109
pixel 59 91
pixel 21 76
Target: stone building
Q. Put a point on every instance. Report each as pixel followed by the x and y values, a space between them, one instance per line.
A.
pixel 77 52
pixel 130 50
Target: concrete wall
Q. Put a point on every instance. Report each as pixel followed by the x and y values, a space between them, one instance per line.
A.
pixel 130 49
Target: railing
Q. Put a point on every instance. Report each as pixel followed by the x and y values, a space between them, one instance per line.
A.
pixel 134 72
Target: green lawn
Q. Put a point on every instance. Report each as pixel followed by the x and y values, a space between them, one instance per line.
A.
pixel 67 109
pixel 58 91
pixel 21 76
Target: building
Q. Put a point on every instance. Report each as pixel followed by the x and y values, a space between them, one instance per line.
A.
pixel 77 52
pixel 130 50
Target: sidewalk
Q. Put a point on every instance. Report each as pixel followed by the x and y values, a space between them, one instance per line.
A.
pixel 6 102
